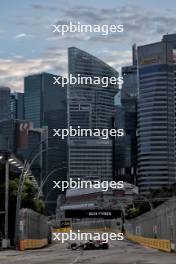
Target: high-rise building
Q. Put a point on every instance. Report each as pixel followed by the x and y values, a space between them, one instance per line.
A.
pixel 18 137
pixel 96 100
pixel 125 117
pixel 17 105
pixel 45 105
pixel 14 136
pixel 37 145
pixel 156 114
pixel 4 103
pixel 7 135
pixel 90 106
pixel 90 158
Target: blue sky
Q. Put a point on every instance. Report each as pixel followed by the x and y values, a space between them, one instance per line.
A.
pixel 27 44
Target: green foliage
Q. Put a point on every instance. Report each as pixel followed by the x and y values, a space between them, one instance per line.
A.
pixel 29 199
pixel 139 207
pixel 29 193
pixel 133 212
pixel 155 198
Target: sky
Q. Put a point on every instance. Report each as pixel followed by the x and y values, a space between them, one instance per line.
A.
pixel 28 44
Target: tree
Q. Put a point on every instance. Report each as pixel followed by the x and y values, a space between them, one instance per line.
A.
pixel 132 212
pixel 29 199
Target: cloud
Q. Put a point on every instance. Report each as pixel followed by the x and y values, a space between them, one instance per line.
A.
pixel 141 25
pixel 117 59
pixel 13 70
pixel 42 7
pixel 22 35
pixel 53 60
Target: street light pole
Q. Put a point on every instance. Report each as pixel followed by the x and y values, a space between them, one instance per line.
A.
pixel 6 199
pixel 21 183
pixel 46 178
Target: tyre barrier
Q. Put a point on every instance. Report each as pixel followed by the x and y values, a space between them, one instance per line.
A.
pixel 32 244
pixel 161 244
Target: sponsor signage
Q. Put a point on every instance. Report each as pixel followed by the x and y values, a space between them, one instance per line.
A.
pixel 151 60
pixel 22 134
pixel 93 213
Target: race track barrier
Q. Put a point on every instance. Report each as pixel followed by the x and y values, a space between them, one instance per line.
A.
pixel 34 231
pixel 161 244
pixel 32 244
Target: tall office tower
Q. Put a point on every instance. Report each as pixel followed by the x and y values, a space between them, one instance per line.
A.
pixel 99 99
pixel 13 135
pixel 125 117
pixel 37 145
pixel 90 106
pixel 4 103
pixel 90 158
pixel 7 135
pixel 17 105
pixel 45 105
pixel 156 114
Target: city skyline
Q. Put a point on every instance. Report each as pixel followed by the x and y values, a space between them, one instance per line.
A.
pixel 29 46
pixel 88 131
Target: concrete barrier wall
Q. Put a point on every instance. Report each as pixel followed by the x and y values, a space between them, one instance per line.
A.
pixel 161 244
pixel 156 224
pixel 32 243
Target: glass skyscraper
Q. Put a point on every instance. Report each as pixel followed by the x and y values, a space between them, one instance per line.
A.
pixel 156 114
pixel 125 117
pixel 46 106
pixel 4 103
pixel 17 105
pixel 90 106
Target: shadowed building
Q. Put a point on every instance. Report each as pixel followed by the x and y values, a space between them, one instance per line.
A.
pixel 4 103
pixel 46 106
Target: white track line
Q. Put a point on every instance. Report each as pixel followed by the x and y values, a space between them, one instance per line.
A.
pixel 76 259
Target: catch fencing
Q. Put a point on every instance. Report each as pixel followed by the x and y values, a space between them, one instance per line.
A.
pixel 34 231
pixel 97 224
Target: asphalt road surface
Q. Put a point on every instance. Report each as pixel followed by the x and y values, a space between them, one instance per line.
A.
pixel 119 253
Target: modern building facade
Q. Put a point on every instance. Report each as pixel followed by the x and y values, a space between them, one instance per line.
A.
pixel 96 99
pixel 7 135
pixel 96 199
pixel 90 158
pixel 126 147
pixel 46 106
pixel 36 150
pixel 4 103
pixel 156 114
pixel 17 105
pixel 125 116
pixel 14 136
pixel 90 106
